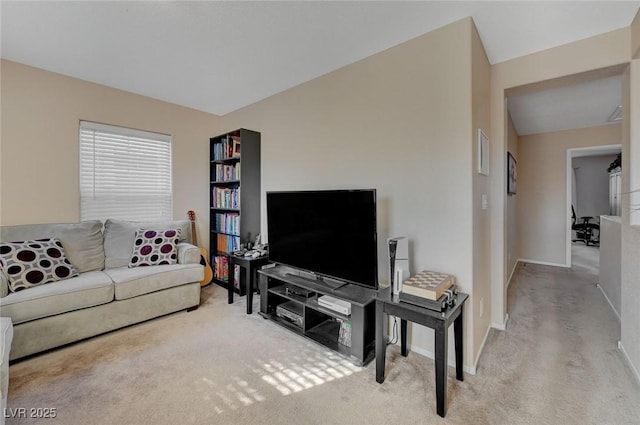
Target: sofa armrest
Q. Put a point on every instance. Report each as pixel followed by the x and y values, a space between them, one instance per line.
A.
pixel 188 253
pixel 4 283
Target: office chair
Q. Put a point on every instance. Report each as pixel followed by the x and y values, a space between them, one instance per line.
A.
pixel 586 231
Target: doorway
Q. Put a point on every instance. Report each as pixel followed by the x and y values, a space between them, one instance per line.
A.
pixel 588 192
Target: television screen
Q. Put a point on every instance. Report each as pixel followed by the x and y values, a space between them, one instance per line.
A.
pixel 328 232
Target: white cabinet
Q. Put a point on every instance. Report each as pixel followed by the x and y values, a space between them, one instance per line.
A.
pixel 615 193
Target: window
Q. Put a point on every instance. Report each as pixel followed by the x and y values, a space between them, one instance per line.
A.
pixel 124 174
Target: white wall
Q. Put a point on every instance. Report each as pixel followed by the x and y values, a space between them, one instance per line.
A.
pixel 592 185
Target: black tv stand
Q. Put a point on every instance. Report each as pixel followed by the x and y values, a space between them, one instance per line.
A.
pixel 322 325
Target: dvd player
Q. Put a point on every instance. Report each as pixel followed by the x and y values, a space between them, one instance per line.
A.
pixel 290 311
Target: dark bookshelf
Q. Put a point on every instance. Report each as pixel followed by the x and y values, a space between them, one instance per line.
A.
pixel 243 187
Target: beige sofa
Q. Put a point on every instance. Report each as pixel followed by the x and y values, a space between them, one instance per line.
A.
pixel 107 294
pixel 6 335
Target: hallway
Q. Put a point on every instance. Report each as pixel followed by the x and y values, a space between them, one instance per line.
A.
pixel 585 258
pixel 558 360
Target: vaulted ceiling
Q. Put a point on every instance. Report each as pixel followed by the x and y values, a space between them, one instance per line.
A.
pixel 220 56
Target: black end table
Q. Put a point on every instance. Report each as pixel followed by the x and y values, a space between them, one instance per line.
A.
pixel 386 303
pixel 251 266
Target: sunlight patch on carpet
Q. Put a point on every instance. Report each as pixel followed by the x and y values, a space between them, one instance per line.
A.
pixel 234 395
pixel 295 374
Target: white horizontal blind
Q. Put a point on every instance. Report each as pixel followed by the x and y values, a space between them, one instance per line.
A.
pixel 124 174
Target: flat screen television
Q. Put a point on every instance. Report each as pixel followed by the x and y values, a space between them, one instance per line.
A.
pixel 330 233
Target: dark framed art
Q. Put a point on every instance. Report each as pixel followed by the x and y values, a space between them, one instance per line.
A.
pixel 511 174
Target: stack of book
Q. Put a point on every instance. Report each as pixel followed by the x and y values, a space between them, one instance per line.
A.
pixel 228 223
pixel 228 147
pixel 433 290
pixel 221 270
pixel 226 172
pixel 226 198
pixel 227 244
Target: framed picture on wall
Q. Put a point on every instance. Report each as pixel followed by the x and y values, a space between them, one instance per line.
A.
pixel 511 174
pixel 483 153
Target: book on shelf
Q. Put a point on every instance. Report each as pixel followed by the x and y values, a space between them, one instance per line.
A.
pixel 226 197
pixel 228 223
pixel 228 147
pixel 344 334
pixel 235 150
pixel 220 267
pixel 227 243
pixel 428 284
pixel 226 172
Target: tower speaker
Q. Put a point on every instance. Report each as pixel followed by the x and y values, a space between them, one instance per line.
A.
pixel 398 262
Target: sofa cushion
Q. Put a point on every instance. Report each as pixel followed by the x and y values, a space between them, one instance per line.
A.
pixel 132 282
pixel 83 242
pixel 32 263
pixel 86 290
pixel 155 247
pixel 119 236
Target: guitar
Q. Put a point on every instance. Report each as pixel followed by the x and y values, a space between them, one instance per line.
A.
pixel 208 273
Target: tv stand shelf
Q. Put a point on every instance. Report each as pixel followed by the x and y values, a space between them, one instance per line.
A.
pixel 321 324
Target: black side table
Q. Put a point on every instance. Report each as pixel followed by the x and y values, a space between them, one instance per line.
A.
pixel 251 266
pixel 438 321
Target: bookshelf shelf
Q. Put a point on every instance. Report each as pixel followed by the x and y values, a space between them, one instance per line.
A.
pixel 234 196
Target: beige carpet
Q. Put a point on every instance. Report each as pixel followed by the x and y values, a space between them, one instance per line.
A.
pixel 585 258
pixel 557 363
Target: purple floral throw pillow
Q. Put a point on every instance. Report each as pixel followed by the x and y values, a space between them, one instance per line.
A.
pixel 32 263
pixel 155 247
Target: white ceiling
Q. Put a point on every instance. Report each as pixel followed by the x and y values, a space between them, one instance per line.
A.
pixel 220 56
pixel 574 106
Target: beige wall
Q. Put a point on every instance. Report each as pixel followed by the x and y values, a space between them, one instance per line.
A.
pixel 513 249
pixel 480 107
pixel 630 290
pixel 39 153
pixel 591 187
pixel 590 54
pixel 635 37
pixel 630 339
pixel 542 189
pixel 399 122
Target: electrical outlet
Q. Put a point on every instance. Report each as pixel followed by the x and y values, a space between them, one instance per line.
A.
pixel 481 307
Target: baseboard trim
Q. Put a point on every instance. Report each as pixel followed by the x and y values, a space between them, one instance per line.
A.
pixel 609 301
pixel 544 263
pixel 513 271
pixel 629 362
pixel 451 363
pixel 481 349
pixel 501 326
